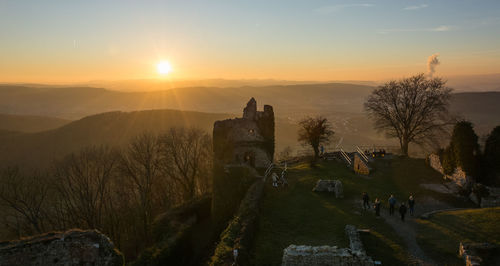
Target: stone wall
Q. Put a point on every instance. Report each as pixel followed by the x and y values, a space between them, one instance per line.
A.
pixel 74 247
pixel 355 243
pixel 459 177
pixel 295 255
pixel 435 162
pixel 476 253
pixel 247 140
pixel 332 186
pixel 360 166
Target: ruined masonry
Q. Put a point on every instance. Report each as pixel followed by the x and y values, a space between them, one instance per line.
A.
pixel 458 177
pixel 248 140
pixel 74 247
pixel 360 166
pixel 334 186
pixel 295 255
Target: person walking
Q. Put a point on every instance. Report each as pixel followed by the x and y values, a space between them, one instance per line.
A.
pixel 402 211
pixel 392 204
pixel 283 180
pixel 235 256
pixel 366 201
pixel 376 206
pixel 411 204
pixel 275 180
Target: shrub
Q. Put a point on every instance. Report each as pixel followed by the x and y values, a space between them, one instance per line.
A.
pixel 240 231
pixel 465 148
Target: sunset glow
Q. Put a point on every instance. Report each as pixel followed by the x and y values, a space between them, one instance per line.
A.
pixel 291 40
pixel 164 68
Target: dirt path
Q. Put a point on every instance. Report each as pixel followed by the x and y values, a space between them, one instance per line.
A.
pixel 407 229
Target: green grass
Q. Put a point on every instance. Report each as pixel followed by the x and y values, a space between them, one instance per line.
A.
pixel 299 216
pixel 441 235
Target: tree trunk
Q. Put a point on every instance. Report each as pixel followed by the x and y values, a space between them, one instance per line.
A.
pixel 316 153
pixel 404 147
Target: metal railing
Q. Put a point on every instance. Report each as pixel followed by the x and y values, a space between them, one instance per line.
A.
pixel 345 156
pixel 363 155
pixel 268 170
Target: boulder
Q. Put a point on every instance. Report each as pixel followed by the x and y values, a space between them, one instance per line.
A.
pixel 73 247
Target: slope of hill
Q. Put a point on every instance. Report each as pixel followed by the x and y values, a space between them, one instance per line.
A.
pixel 29 123
pixel 114 129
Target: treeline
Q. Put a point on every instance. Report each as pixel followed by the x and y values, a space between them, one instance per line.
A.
pixel 117 191
pixel 464 151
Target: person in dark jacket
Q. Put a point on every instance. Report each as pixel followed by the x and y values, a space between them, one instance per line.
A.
pixel 411 204
pixel 402 211
pixel 366 201
pixel 392 204
pixel 376 206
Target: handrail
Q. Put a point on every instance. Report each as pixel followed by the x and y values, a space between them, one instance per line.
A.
pixel 362 154
pixel 268 170
pixel 344 154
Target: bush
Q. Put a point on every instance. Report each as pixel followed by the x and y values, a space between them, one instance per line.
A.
pixel 229 187
pixel 465 148
pixel 492 157
pixel 448 161
pixel 240 231
pixel 172 232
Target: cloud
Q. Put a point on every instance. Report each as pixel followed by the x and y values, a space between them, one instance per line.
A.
pixel 335 8
pixel 434 29
pixel 432 62
pixel 416 7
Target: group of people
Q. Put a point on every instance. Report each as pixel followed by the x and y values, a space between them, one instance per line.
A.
pixel 374 153
pixel 392 205
pixel 279 180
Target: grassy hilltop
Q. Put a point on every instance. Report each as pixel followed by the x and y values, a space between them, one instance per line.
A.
pixel 299 216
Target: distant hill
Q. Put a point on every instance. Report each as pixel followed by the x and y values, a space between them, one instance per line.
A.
pixel 341 103
pixel 77 102
pixel 481 108
pixel 29 123
pixel 117 128
pixel 114 129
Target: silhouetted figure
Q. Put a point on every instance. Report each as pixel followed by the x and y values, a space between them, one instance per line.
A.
pixel 376 206
pixel 411 204
pixel 275 179
pixel 392 204
pixel 235 256
pixel 283 180
pixel 402 211
pixel 366 201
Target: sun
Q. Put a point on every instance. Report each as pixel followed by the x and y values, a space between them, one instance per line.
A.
pixel 163 67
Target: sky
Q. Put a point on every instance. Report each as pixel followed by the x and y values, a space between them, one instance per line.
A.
pixel 76 41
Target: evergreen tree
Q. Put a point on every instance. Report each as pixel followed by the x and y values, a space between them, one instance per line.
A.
pixel 465 148
pixel 492 157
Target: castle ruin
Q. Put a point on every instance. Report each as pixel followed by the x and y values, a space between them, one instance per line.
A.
pixel 242 147
pixel 248 140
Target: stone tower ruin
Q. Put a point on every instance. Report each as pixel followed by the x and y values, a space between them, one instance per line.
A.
pixel 242 147
pixel 248 140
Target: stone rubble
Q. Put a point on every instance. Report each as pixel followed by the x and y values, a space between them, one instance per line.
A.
pixel 74 247
pixel 296 255
pixel 469 252
pixel 332 186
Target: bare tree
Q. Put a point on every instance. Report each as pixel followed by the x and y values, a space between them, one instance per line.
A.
pixel 25 196
pixel 187 160
pixel 83 183
pixel 314 131
pixel 140 165
pixel 412 109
